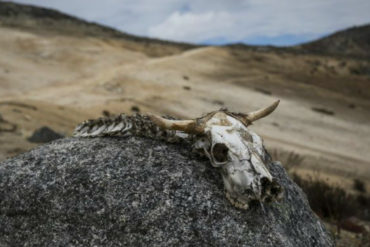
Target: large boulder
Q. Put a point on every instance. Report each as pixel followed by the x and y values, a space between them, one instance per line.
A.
pixel 139 192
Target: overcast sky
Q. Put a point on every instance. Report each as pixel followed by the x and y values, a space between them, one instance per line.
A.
pixel 277 22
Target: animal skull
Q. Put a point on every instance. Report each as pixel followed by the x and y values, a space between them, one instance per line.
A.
pixel 225 139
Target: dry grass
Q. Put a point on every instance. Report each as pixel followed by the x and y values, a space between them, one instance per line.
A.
pixel 343 211
pixel 288 159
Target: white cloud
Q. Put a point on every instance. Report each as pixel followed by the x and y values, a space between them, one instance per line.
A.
pixel 192 27
pixel 263 18
pixel 231 20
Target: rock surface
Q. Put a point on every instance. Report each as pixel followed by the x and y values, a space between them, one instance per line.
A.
pixel 44 134
pixel 139 192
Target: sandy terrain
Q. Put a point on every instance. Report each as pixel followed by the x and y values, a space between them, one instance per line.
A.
pixel 58 81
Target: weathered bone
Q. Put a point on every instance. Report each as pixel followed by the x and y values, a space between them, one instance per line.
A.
pixel 197 127
pixel 255 115
pixel 221 135
pixel 187 126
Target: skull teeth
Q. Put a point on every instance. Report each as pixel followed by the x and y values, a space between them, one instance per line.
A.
pixel 236 203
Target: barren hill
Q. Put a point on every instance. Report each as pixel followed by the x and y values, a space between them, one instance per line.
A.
pixel 48 21
pixel 354 42
pixel 58 71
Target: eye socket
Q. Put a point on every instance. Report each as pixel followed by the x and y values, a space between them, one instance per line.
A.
pixel 219 152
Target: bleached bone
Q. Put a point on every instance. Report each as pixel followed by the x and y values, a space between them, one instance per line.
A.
pixel 221 135
pixel 188 126
pixel 253 116
pixel 197 126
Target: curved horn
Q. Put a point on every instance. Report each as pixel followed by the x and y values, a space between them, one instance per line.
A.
pixel 253 116
pixel 188 126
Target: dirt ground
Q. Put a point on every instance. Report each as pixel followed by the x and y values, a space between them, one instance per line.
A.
pixel 58 81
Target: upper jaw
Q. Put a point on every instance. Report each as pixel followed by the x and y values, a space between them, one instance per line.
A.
pixel 244 203
pixel 241 192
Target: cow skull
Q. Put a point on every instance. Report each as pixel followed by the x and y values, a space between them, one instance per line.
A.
pixel 225 139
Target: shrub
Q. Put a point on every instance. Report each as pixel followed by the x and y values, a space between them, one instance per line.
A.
pixel 327 201
pixel 288 159
pixel 359 185
pixel 332 202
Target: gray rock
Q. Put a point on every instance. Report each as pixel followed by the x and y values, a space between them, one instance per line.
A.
pixel 139 192
pixel 44 134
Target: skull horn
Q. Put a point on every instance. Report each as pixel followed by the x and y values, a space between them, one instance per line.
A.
pixel 187 126
pixel 253 116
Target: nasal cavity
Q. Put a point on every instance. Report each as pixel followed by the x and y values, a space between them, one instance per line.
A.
pixel 266 189
pixel 265 182
pixel 276 189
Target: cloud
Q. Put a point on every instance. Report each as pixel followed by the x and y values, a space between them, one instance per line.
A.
pixel 191 27
pixel 256 19
pixel 202 21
